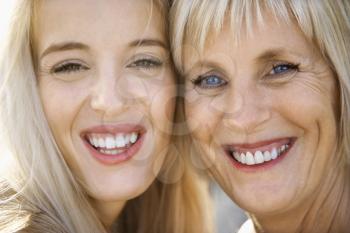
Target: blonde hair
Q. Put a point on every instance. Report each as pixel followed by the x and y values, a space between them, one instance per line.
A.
pixel 325 23
pixel 38 191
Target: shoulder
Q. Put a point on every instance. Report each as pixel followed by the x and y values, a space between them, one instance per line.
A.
pixel 247 227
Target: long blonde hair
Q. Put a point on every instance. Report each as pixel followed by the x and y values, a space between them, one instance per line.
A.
pixel 38 191
pixel 325 23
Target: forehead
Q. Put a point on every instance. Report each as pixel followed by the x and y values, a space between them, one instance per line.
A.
pixel 270 36
pixel 84 20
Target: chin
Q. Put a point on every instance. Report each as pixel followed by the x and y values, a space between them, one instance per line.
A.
pixel 118 192
pixel 265 203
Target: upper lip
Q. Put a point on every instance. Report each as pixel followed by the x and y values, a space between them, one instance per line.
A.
pixel 259 145
pixel 114 129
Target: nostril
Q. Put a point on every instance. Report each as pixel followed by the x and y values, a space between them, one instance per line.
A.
pixel 250 119
pixel 107 103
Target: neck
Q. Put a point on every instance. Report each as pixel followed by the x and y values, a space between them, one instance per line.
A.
pixel 108 212
pixel 327 212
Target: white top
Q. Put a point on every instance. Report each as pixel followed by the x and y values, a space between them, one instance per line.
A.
pixel 247 227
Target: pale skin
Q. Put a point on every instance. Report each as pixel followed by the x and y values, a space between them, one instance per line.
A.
pixel 105 63
pixel 273 84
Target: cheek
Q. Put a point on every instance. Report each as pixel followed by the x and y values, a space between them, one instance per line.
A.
pixel 53 103
pixel 160 100
pixel 201 118
pixel 306 107
pixel 61 105
pixel 311 116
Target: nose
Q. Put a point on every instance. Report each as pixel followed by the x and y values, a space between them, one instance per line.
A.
pixel 108 94
pixel 246 109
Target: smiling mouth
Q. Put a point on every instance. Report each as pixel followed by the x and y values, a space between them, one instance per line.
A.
pixel 112 144
pixel 258 154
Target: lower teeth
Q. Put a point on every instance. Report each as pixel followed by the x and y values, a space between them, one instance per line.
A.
pixel 111 152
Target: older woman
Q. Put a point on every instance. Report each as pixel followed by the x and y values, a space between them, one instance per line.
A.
pixel 267 101
pixel 86 107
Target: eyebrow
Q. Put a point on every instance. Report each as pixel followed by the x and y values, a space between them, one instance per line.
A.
pixel 148 42
pixel 64 47
pixel 71 45
pixel 274 53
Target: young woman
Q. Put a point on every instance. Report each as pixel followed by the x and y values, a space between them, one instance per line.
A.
pixel 86 108
pixel 267 102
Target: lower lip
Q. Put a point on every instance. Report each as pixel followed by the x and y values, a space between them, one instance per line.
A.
pixel 261 166
pixel 118 158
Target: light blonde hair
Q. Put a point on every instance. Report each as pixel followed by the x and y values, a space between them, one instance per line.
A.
pixel 38 191
pixel 325 23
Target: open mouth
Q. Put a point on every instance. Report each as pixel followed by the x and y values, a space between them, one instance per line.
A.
pixel 266 152
pixel 111 145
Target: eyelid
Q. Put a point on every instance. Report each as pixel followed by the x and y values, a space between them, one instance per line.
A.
pixel 200 78
pixel 68 62
pixel 211 90
pixel 210 73
pixel 291 65
pixel 144 57
pixel 268 75
pixel 279 78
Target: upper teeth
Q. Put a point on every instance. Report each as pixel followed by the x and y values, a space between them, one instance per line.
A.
pixel 258 157
pixel 112 142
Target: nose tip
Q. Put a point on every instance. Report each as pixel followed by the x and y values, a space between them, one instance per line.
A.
pixel 246 111
pixel 105 103
pixel 107 97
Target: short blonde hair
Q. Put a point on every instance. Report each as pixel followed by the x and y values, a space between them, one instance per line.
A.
pixel 38 191
pixel 325 23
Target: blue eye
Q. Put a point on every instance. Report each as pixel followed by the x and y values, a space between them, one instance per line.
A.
pixel 210 81
pixel 283 68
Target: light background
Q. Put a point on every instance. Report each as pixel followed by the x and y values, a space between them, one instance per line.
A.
pixel 228 216
pixel 5 6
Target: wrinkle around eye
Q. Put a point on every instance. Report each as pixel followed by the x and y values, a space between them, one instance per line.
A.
pixel 317 83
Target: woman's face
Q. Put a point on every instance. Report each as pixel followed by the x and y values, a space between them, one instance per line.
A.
pixel 262 115
pixel 107 89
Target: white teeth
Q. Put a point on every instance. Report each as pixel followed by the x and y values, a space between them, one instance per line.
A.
pixel 101 143
pixel 237 157
pixel 267 156
pixel 110 143
pixel 133 137
pixel 243 158
pixel 91 141
pixel 279 151
pixel 249 158
pixel 95 142
pixel 283 148
pixel 113 142
pixel 274 153
pixel 259 157
pixel 127 139
pixel 120 142
pixel 111 152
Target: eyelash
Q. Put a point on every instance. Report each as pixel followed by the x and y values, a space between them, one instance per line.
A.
pixel 200 79
pixel 286 68
pixel 146 63
pixel 68 67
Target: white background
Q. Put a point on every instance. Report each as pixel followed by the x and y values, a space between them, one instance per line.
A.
pixel 5 7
